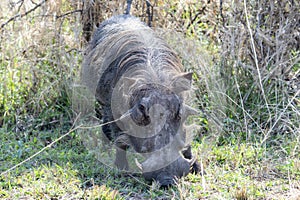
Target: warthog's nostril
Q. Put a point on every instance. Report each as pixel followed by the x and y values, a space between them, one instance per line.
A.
pixel 167 182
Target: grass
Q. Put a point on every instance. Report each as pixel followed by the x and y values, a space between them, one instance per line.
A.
pixel 67 170
pixel 247 143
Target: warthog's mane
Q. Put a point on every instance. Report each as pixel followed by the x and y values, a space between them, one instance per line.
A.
pixel 125 47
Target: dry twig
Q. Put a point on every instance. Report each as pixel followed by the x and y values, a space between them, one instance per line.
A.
pixel 23 14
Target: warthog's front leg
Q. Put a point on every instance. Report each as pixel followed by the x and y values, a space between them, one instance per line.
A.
pixel 122 144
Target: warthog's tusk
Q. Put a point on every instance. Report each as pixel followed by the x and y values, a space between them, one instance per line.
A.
pixel 191 161
pixel 190 110
pixel 138 164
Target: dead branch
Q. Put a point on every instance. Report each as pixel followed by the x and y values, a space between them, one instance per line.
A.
pixel 69 13
pixel 23 14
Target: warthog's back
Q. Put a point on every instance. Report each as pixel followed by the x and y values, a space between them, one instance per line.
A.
pixel 124 43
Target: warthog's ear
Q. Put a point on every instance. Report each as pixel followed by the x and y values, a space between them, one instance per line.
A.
pixel 182 82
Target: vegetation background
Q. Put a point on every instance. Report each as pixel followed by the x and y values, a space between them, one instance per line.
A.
pixel 245 59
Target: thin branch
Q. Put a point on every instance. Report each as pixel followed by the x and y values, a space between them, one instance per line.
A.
pixel 192 20
pixel 255 58
pixel 69 13
pixel 60 16
pixel 21 4
pixel 221 13
pixel 279 117
pixel 22 15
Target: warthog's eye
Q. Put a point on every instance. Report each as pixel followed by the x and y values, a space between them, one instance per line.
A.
pixel 142 108
pixel 178 116
pixel 141 115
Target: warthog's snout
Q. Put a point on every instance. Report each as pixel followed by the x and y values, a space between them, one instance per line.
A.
pixel 169 174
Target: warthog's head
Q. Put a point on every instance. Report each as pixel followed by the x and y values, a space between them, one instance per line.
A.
pixel 155 127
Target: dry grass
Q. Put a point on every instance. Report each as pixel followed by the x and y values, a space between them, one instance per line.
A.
pixel 260 51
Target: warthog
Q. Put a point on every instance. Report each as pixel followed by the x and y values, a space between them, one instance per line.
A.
pixel 137 78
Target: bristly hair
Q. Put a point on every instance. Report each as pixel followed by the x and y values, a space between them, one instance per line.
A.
pixel 123 44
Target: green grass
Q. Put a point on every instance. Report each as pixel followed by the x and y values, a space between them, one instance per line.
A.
pixel 68 170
